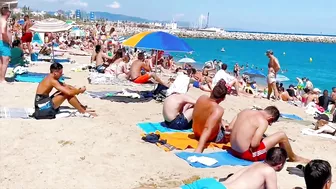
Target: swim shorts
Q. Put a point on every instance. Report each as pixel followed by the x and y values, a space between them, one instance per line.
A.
pixel 271 78
pixel 27 37
pixel 44 107
pixel 179 123
pixel 142 79
pixel 196 84
pixel 205 183
pixel 258 155
pixel 5 49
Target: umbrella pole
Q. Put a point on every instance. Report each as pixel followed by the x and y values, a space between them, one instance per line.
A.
pixel 53 52
pixel 156 60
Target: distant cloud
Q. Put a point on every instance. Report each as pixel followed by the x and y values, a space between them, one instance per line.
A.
pixel 70 2
pixel 114 5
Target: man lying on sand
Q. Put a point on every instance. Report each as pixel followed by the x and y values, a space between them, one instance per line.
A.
pixel 178 110
pixel 247 131
pixel 135 72
pixel 46 107
pixel 257 176
pixel 207 117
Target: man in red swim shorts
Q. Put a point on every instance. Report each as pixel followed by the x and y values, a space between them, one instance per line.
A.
pixel 247 135
pixel 27 35
pixel 136 68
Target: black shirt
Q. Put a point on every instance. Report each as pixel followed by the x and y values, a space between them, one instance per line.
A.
pixel 324 101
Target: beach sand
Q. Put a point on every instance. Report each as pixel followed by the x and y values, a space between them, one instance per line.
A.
pixel 107 151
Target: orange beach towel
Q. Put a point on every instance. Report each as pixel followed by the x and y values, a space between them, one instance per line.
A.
pixel 183 141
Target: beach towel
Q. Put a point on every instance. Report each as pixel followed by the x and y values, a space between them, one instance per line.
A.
pixel 100 94
pixel 180 85
pixel 148 127
pixel 206 160
pixel 32 77
pixel 182 141
pixel 25 113
pixel 125 99
pixel 127 96
pixel 291 116
pixel 311 132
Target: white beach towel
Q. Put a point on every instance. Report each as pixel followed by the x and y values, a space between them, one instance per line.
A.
pixel 96 78
pixel 180 85
pixel 203 160
pixel 311 132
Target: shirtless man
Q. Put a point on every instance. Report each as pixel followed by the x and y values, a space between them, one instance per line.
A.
pixel 5 41
pixel 46 107
pixel 273 68
pixel 27 35
pixel 259 175
pixel 100 58
pixel 247 130
pixel 177 111
pixel 135 72
pixel 312 96
pixel 207 117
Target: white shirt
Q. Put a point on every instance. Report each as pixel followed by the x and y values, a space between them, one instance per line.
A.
pixel 221 74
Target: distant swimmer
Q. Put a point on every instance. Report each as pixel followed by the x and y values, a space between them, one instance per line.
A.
pixel 273 69
pixel 222 50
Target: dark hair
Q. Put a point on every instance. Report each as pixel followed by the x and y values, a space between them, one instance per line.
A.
pixel 4 10
pixel 220 90
pixel 276 156
pixel 55 67
pixel 98 48
pixel 274 112
pixel 26 16
pixel 16 43
pixel 325 92
pixel 333 88
pixel 224 67
pixel 316 174
pixel 112 30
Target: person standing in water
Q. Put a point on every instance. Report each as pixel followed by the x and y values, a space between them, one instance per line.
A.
pixel 5 41
pixel 273 69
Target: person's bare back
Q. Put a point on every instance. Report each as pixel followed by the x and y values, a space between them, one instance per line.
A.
pixel 203 109
pixel 243 128
pixel 46 86
pixel 256 176
pixel 135 70
pixel 174 104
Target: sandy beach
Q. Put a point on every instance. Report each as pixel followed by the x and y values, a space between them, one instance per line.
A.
pixel 107 151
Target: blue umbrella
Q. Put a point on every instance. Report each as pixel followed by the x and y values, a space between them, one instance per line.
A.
pixel 254 73
pixel 21 22
pixel 158 40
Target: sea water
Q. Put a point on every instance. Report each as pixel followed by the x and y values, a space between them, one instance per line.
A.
pixel 293 56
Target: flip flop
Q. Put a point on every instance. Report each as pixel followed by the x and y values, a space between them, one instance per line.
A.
pixel 298 170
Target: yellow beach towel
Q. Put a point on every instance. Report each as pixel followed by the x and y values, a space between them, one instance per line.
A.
pixel 183 141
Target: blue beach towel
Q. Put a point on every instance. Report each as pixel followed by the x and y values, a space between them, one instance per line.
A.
pixel 223 157
pixel 32 77
pixel 152 127
pixel 291 116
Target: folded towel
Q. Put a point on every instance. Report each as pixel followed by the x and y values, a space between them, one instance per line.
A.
pixel 291 116
pixel 223 158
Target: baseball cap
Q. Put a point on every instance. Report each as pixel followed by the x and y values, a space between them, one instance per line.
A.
pixel 316 90
pixel 269 52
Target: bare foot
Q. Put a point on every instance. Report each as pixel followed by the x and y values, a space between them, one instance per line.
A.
pixel 299 159
pixel 4 82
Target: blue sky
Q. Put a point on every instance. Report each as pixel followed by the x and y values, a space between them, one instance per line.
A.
pixel 303 16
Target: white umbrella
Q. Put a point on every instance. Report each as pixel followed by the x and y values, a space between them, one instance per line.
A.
pixel 77 33
pixel 50 25
pixel 281 78
pixel 9 3
pixel 186 60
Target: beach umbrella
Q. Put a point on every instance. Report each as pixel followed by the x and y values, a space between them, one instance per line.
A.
pixel 51 25
pixel 158 40
pixel 11 4
pixel 281 78
pixel 187 60
pixel 21 22
pixel 77 32
pixel 254 73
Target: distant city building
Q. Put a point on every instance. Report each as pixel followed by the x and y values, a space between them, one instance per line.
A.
pixel 92 16
pixel 172 26
pixel 78 14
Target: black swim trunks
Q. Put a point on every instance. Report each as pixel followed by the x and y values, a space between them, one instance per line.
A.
pixel 44 107
pixel 179 123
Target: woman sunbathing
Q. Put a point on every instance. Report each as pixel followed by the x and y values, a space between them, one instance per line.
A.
pixel 323 126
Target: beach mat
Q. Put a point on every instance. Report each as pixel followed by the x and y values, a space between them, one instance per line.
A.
pixel 223 159
pixel 161 127
pixel 182 141
pixel 125 99
pixel 25 113
pixel 291 116
pixel 33 77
